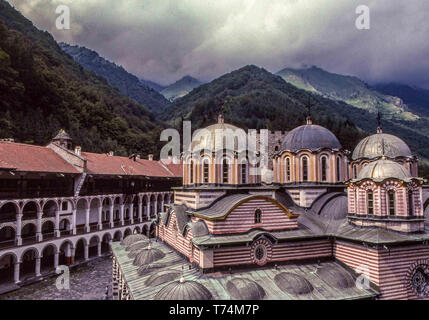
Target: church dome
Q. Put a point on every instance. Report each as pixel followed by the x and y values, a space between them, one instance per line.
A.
pixel 245 289
pixel 293 283
pixel 384 169
pixel 184 290
pixel 380 144
pixel 148 256
pixel 162 277
pixel 213 137
pixel 336 277
pixel 129 240
pixel 311 137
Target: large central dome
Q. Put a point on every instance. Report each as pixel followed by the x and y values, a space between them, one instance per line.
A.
pixel 311 137
pixel 219 136
pixel 381 144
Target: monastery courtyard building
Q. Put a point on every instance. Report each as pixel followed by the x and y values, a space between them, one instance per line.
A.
pixel 63 206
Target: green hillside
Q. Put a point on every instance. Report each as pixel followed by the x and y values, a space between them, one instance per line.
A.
pixel 42 90
pixel 348 89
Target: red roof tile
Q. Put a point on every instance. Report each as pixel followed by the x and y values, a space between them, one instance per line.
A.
pixel 27 157
pixel 101 163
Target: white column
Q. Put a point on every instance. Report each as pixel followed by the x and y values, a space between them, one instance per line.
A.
pixel 132 213
pixel 162 204
pixel 38 274
pixel 100 213
pixel 56 258
pixel 155 205
pixel 18 229
pixel 112 208
pixel 87 219
pixel 99 249
pixel 57 224
pixel 74 221
pixel 86 251
pixel 140 210
pixel 148 209
pixel 121 212
pixel 16 272
pixel 39 236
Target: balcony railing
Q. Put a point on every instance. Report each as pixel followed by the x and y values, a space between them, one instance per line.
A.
pixel 7 243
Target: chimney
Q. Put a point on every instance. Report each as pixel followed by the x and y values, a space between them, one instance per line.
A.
pixel 110 153
pixel 150 157
pixel 77 150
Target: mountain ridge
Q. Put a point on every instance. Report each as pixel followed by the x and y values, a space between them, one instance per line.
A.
pixel 127 83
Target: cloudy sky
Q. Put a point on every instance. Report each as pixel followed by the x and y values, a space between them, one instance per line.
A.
pixel 164 40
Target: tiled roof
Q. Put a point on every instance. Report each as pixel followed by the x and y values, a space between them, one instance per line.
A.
pixel 26 157
pixel 100 163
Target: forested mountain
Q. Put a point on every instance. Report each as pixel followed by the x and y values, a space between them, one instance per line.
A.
pixel 42 89
pixel 349 89
pixel 180 88
pixel 255 98
pixel 127 83
pixel 417 99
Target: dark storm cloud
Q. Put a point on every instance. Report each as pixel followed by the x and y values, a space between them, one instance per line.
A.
pixel 166 39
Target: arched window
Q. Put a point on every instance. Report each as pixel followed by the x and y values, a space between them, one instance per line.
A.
pixel 191 172
pixel 288 169
pixel 338 169
pixel 410 203
pixel 225 171
pixel 304 169
pixel 324 169
pixel 370 202
pixel 392 203
pixel 205 171
pixel 355 171
pixel 258 216
pixel 243 173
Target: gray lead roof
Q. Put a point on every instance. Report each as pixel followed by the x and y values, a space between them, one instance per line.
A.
pixel 310 137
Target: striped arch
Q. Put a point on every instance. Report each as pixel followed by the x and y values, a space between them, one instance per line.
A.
pixel 239 203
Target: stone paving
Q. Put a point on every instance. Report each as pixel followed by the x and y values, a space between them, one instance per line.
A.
pixel 87 282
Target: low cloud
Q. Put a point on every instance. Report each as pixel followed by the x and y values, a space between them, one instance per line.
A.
pixel 164 40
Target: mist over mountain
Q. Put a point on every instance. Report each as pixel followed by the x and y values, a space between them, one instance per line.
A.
pixel 180 88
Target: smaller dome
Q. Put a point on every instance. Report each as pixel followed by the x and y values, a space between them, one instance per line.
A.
pixel 162 277
pixel 148 268
pixel 184 290
pixel 311 137
pixel 133 238
pixel 245 289
pixel 137 245
pixel 384 169
pixel 335 209
pixel 293 283
pixel 380 144
pixel 336 277
pixel 199 229
pixel 148 256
